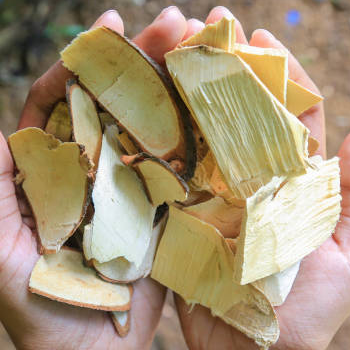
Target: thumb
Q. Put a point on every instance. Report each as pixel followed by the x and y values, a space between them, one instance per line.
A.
pixel 342 234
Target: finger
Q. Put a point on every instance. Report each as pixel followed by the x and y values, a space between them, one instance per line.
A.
pixel 219 12
pixel 10 217
pixel 161 36
pixel 50 88
pixel 8 200
pixel 313 118
pixel 194 26
pixel 342 233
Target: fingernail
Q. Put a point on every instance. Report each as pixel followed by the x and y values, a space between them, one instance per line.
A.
pixel 110 14
pixel 265 32
pixel 165 12
pixel 225 12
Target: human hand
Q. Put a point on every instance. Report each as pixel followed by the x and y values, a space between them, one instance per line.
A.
pixel 319 302
pixel 34 322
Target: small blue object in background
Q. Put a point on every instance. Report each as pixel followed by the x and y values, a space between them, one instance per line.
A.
pixel 293 17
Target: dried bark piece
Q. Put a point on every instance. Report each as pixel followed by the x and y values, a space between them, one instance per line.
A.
pixel 126 143
pixel 123 220
pixel 59 123
pixel 313 145
pixel 121 321
pixel 250 144
pixel 278 286
pixel 63 277
pixel 221 35
pixel 55 179
pixel 85 120
pixel 106 119
pixel 122 271
pixel 203 173
pixel 225 217
pixel 162 183
pixel 194 260
pixel 279 229
pixel 270 65
pixel 130 86
pixel 219 188
pixel 300 99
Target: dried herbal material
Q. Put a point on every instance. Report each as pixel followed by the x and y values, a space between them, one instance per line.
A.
pixel 221 35
pixel 313 145
pixel 131 87
pixel 270 65
pixel 250 144
pixel 300 99
pixel 63 277
pixel 278 286
pixel 194 260
pixel 225 217
pixel 121 270
pixel 55 179
pixel 121 321
pixel 279 229
pixel 162 183
pixel 123 220
pixel 59 123
pixel 85 120
pixel 127 143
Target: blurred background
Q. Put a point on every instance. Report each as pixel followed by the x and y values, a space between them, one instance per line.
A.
pixel 316 31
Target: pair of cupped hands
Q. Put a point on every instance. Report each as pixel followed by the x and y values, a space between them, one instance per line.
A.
pixel 317 306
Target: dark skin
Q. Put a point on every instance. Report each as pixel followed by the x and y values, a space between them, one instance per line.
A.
pixel 317 306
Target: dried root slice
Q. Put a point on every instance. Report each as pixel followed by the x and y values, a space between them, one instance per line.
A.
pixel 278 286
pixel 55 181
pixel 121 321
pixel 162 183
pixel 279 229
pixel 131 87
pixel 219 188
pixel 221 35
pixel 194 260
pixel 270 65
pixel 59 123
pixel 106 119
pixel 85 120
pixel 63 277
pixel 122 271
pixel 300 99
pixel 127 144
pixel 250 144
pixel 313 145
pixel 123 220
pixel 226 218
pixel 203 173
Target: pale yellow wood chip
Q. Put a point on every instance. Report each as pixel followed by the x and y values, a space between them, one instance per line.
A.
pixel 63 277
pixel 270 65
pixel 279 229
pixel 300 99
pixel 221 35
pixel 55 179
pixel 251 135
pixel 194 260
